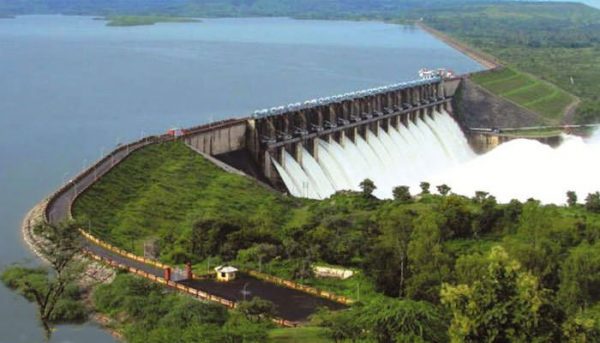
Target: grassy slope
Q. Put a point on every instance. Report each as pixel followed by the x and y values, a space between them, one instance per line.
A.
pixel 527 91
pixel 163 189
pixel 555 42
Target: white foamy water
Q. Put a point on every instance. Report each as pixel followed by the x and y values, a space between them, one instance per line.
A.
pixel 404 156
pixel 522 169
pixel 434 149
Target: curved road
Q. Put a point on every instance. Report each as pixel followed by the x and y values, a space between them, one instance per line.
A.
pixel 59 207
pixel 293 305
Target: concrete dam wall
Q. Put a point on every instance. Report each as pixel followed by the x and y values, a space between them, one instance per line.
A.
pixel 298 148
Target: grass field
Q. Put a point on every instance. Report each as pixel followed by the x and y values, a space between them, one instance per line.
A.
pixel 162 190
pixel 527 91
pixel 299 335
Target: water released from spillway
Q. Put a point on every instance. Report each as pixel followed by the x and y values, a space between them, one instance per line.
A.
pixel 403 156
pixel 523 169
pixel 434 149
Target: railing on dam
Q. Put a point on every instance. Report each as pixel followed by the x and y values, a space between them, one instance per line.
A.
pixel 351 96
pixel 357 122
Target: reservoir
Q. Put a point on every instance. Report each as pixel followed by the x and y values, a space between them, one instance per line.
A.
pixel 72 88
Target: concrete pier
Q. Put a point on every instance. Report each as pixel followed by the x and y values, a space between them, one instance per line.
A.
pixel 267 134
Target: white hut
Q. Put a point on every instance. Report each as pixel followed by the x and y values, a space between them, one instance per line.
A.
pixel 225 273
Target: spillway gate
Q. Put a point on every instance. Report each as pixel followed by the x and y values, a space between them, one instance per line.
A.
pixel 298 126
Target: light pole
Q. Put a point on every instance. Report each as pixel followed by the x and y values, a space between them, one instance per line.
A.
pixel 244 291
pixel 65 175
pixel 74 193
pixel 51 215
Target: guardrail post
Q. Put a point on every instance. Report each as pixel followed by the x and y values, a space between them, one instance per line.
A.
pixel 188 271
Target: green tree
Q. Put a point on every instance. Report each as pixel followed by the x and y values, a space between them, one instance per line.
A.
pixel 388 262
pixel 209 237
pixel 535 244
pixel 257 309
pixel 428 262
pixel 469 268
pixel 444 189
pixel 189 310
pixel 425 187
pixel 511 214
pixel 480 196
pixel 240 329
pixel 404 321
pixel 368 187
pixel 583 327
pixel 387 321
pixel 592 202
pixel 571 199
pixel 47 288
pixel 504 305
pixel 486 217
pixel 402 194
pixel 342 325
pixel 580 278
pixel 535 220
pixel 457 216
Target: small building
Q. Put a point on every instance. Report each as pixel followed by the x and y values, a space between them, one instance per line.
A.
pixel 176 132
pixel 225 273
pixel 332 272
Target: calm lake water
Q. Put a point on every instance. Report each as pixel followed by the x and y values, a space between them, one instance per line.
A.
pixel 72 88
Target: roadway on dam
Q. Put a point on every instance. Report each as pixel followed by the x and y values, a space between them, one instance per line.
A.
pixel 291 305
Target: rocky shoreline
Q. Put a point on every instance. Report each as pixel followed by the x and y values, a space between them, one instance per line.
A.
pixel 32 218
pixel 95 273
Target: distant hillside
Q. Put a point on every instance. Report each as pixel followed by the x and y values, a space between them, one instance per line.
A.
pixel 92 7
pixel 298 8
pixel 557 42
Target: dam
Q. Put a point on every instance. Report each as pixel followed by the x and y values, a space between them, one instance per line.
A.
pixel 394 135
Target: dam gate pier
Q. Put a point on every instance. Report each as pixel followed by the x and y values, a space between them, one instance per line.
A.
pixel 256 143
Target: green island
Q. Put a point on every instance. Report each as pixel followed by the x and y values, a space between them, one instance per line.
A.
pixel 425 264
pixel 138 20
